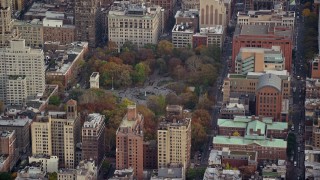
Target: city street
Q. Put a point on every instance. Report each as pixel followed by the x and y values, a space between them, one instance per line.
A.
pixel 226 52
pixel 296 169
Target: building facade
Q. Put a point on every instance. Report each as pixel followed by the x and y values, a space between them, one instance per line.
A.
pixel 150 153
pixel 276 17
pixel 87 21
pixel 30 31
pixel 129 139
pixel 263 36
pixel 20 60
pixel 136 23
pixel 259 60
pixel 8 148
pixel 17 93
pixel 93 135
pixel 49 163
pixel 212 13
pixel 57 134
pixel 94 80
pixel 56 31
pixel 6 22
pixel 174 138
pixel 21 126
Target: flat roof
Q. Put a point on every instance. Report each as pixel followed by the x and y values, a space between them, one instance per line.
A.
pixel 231 123
pixel 15 122
pixel 235 140
pixel 254 30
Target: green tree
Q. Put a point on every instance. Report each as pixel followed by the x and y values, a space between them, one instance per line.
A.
pixel 53 176
pixel 306 12
pixel 140 73
pixel 196 173
pixel 54 100
pixel 5 176
pixel 157 104
pixel 165 48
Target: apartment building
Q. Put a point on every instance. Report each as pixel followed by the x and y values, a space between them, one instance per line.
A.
pixel 212 13
pixel 85 170
pixel 187 23
pixel 169 8
pixel 56 30
pixel 8 149
pixel 182 35
pixel 6 22
pixel 41 136
pixel 129 142
pixel 67 58
pixel 252 59
pixel 23 61
pixel 57 134
pixel 134 22
pixel 21 127
pixel 17 93
pixel 190 17
pixel 275 17
pixel 49 164
pixel 30 31
pixel 263 36
pixel 230 110
pixel 174 138
pixel 190 4
pixel 213 35
pixel 88 21
pixel 93 135
pixel 150 159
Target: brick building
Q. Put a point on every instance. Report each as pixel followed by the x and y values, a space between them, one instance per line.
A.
pixel 150 152
pixel 129 142
pixel 264 36
pixel 239 124
pixel 57 31
pixel 268 96
pixel 254 139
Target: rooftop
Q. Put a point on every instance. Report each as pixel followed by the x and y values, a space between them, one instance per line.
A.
pixel 192 13
pixel 218 29
pixel 260 14
pixel 63 59
pixel 5 121
pixel 233 140
pixel 263 30
pixel 94 74
pixel 270 80
pixel 126 8
pixel 93 120
pixel 183 28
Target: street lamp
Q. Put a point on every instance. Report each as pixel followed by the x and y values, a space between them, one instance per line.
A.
pixel 112 84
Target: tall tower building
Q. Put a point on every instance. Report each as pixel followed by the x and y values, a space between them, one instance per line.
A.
pixel 174 138
pixel 93 135
pixel 23 68
pixel 57 134
pixel 6 23
pixel 41 136
pixel 212 13
pixel 129 136
pixel 87 21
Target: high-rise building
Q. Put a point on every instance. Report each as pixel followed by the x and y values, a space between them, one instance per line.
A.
pixel 41 136
pixel 93 135
pixel 6 22
pixel 129 142
pixel 57 134
pixel 21 61
pixel 174 138
pixel 87 21
pixel 212 13
pixel 30 31
pixel 134 22
pixel 65 129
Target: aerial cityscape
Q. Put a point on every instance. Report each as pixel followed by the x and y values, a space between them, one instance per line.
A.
pixel 159 90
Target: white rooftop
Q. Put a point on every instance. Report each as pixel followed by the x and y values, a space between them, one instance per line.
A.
pixel 14 122
pixel 93 120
